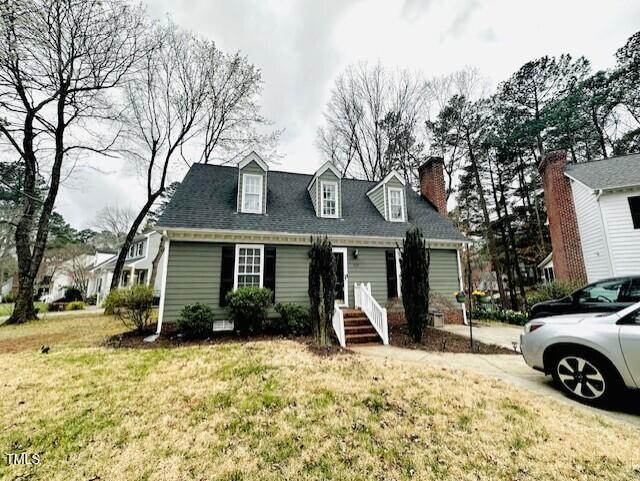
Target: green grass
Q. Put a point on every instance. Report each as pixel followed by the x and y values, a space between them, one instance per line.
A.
pixel 274 410
pixel 6 309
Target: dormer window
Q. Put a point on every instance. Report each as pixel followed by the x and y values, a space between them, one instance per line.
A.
pixel 252 193
pixel 329 199
pixel 325 191
pixel 396 204
pixel 252 185
pixel 389 197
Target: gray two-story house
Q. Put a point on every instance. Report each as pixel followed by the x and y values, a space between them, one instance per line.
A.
pixel 229 227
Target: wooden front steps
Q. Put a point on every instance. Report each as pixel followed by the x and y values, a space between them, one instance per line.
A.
pixel 358 329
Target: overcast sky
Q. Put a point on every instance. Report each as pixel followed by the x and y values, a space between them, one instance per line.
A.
pixel 301 46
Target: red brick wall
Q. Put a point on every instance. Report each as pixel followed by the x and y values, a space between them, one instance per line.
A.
pixel 432 183
pixel 568 262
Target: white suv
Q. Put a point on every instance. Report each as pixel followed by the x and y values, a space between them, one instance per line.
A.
pixel 590 356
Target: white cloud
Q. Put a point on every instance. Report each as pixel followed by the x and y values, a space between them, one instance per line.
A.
pixel 301 46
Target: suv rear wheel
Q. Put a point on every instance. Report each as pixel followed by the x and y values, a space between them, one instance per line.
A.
pixel 585 377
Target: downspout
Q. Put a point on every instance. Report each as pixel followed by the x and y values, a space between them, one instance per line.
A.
pixel 604 231
pixel 163 287
pixel 461 287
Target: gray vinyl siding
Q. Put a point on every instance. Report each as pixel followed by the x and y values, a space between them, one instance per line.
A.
pixel 377 197
pixel 443 272
pixel 193 274
pixel 328 176
pixel 292 274
pixel 253 168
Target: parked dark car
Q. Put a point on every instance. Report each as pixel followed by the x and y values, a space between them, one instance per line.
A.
pixel 609 295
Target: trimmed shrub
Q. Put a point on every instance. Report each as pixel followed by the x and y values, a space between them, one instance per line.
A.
pixel 552 290
pixel 196 320
pixel 92 300
pixel 414 268
pixel 247 307
pixel 501 315
pixel 322 289
pixel 131 305
pixel 294 319
pixel 75 306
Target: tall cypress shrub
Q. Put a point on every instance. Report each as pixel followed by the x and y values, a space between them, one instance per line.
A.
pixel 322 289
pixel 414 269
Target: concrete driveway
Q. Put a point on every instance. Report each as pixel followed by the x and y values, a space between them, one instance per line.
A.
pixel 504 335
pixel 508 368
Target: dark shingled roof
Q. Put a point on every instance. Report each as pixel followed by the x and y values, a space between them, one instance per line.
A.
pixel 206 199
pixel 609 173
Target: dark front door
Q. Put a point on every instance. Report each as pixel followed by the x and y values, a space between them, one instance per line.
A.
pixel 339 256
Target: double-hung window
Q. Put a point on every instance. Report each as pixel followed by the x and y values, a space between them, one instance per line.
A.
pixel 249 266
pixel 140 247
pixel 329 199
pixel 252 193
pixel 396 205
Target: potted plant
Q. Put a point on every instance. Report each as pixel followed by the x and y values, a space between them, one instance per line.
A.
pixel 481 296
pixel 461 297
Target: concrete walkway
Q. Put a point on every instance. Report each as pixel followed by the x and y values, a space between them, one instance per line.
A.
pixel 506 367
pixel 89 311
pixel 503 335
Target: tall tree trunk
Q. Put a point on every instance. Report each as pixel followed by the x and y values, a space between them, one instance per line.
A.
pixel 512 240
pixel 503 240
pixel 117 270
pixel 156 261
pixel 491 241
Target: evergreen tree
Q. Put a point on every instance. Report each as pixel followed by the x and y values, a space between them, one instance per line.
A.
pixel 414 268
pixel 322 289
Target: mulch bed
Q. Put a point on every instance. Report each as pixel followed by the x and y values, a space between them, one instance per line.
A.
pixel 170 338
pixel 437 340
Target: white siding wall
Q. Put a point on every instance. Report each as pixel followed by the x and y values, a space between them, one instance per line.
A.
pixel 592 238
pixel 624 240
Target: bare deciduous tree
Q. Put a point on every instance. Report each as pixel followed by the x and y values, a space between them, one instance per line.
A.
pixel 188 92
pixel 373 121
pixel 57 60
pixel 166 109
pixel 115 219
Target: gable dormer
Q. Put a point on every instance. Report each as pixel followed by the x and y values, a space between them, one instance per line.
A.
pixel 252 185
pixel 389 197
pixel 325 190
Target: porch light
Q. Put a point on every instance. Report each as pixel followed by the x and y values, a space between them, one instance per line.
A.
pixel 355 253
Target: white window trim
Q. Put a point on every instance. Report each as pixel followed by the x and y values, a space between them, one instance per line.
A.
pixel 402 207
pixel 335 185
pixel 244 192
pixel 398 273
pixel 236 263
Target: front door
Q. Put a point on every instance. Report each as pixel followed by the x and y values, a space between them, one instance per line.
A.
pixel 342 286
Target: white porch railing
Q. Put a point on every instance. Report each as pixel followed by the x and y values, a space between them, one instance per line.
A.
pixel 375 312
pixel 338 326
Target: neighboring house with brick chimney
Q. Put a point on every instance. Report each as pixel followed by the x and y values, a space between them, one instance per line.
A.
pixel 229 227
pixel 593 211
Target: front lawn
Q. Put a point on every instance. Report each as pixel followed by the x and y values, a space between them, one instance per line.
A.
pixel 6 309
pixel 273 409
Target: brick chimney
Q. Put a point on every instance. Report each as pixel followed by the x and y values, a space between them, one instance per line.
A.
pixel 432 183
pixel 568 262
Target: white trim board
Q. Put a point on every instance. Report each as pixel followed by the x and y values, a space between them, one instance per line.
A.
pixel 163 286
pixel 270 237
pixel 236 266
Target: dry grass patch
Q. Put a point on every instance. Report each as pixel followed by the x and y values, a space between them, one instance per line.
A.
pixel 275 410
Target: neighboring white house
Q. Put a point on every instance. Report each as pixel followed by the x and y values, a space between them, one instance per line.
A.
pixel 63 277
pixel 137 267
pixel 595 222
